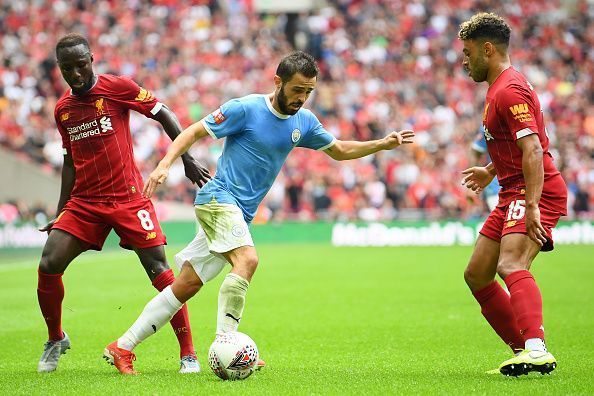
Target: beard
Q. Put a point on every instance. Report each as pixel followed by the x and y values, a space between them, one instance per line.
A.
pixel 283 104
pixel 479 72
pixel 87 86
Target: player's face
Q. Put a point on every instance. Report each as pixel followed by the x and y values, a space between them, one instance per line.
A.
pixel 76 65
pixel 475 60
pixel 291 95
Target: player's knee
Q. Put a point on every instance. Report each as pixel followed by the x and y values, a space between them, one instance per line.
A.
pixel 50 264
pixel 476 280
pixel 191 286
pixel 470 277
pixel 249 265
pixel 507 267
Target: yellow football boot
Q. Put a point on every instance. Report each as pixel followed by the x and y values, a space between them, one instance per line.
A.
pixel 527 361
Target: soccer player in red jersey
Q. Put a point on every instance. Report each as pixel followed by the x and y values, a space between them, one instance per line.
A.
pixel 533 197
pixel 102 189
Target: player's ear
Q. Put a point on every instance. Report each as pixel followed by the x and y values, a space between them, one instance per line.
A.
pixel 489 48
pixel 92 59
pixel 277 81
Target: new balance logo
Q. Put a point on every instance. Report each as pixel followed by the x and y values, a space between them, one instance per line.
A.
pixel 232 317
pixel 105 124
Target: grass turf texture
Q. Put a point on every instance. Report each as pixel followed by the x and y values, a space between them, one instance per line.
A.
pixel 327 321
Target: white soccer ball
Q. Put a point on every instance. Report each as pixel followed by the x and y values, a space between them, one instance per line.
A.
pixel 233 356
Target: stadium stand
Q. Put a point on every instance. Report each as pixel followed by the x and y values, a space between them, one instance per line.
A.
pixel 385 65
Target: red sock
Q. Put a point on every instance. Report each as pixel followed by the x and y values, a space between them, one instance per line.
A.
pixel 526 302
pixel 50 293
pixel 181 320
pixel 496 308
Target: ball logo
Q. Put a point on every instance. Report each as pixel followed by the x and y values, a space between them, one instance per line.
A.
pixel 295 135
pixel 238 231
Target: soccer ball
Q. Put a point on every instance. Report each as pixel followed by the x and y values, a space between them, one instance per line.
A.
pixel 233 356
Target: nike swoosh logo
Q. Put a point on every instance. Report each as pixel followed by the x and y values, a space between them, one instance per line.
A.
pixel 233 317
pixel 154 328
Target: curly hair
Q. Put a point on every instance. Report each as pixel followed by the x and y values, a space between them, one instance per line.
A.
pixel 485 25
pixel 71 40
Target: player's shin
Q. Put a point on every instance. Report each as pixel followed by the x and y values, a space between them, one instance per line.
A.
pixel 50 293
pixel 181 320
pixel 155 315
pixel 526 301
pixel 231 302
pixel 496 308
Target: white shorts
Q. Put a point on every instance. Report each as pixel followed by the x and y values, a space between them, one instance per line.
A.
pixel 222 228
pixel 492 201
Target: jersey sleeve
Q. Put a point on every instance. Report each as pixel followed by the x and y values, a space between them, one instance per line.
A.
pixel 480 144
pixel 227 120
pixel 134 97
pixel 63 133
pixel 516 110
pixel 317 137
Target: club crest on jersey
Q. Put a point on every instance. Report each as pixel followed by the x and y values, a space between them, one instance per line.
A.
pixel 64 117
pixel 218 116
pixel 295 135
pixel 488 135
pixel 99 110
pixel 144 96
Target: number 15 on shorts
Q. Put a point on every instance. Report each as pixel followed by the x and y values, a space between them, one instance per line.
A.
pixel 516 210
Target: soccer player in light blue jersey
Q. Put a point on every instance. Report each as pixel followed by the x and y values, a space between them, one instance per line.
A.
pixel 491 191
pixel 260 132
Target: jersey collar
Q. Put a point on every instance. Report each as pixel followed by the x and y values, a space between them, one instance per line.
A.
pixel 273 111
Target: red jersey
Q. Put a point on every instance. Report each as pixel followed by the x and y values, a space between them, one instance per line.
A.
pixel 512 111
pixel 95 131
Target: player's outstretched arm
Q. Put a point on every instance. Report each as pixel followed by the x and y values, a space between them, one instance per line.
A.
pixel 195 171
pixel 68 178
pixel 349 149
pixel 533 170
pixel 180 145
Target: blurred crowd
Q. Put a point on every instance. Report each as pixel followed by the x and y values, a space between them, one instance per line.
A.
pixel 385 65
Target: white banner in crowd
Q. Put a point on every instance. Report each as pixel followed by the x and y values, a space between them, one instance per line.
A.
pixel 439 234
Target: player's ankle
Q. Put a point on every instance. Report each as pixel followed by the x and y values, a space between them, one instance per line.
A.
pixel 535 344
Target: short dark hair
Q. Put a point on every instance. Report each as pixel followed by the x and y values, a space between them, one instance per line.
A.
pixel 297 62
pixel 71 40
pixel 486 25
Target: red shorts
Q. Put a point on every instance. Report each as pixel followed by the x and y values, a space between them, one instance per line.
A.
pixel 135 223
pixel 508 216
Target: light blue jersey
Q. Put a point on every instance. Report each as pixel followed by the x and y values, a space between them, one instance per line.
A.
pixel 259 139
pixel 480 145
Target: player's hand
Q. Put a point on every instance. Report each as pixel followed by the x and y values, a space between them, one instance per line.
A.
pixel 157 177
pixel 477 178
pixel 395 139
pixel 534 228
pixel 47 228
pixel 197 173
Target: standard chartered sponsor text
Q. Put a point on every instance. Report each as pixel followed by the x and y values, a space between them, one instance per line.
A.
pixel 84 130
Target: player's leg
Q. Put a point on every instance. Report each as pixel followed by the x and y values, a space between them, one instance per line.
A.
pixel 516 256
pixel 59 250
pixel 155 264
pixel 234 287
pixel 155 315
pixel 198 266
pixel 480 278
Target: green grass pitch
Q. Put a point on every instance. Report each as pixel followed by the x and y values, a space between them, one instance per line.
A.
pixel 327 321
